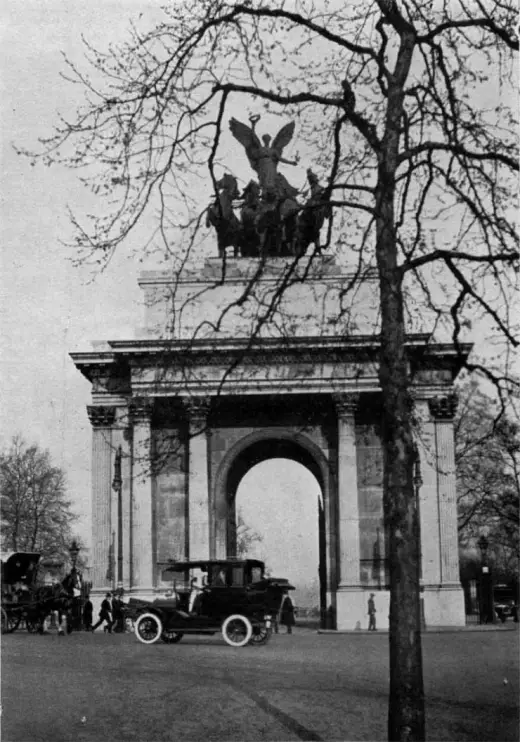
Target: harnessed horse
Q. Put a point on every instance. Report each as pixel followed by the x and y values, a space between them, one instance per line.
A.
pixel 56 600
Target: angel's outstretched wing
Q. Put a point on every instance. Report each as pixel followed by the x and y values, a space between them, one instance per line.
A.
pixel 283 138
pixel 247 138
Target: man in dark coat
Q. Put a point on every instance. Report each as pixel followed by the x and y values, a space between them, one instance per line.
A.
pixel 105 614
pixel 371 613
pixel 87 614
pixel 287 617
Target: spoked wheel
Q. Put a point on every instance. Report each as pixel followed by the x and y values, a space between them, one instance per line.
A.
pixel 237 630
pixel 171 637
pixel 148 628
pixel 32 624
pixel 5 622
pixel 261 634
pixel 10 622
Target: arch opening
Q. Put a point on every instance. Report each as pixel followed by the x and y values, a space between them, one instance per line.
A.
pixel 276 491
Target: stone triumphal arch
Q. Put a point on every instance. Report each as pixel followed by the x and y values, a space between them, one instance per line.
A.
pixel 184 409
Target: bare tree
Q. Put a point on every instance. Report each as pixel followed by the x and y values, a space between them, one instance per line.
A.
pixel 404 109
pixel 36 514
pixel 488 476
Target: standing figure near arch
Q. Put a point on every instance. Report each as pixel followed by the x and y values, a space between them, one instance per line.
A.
pixel 371 613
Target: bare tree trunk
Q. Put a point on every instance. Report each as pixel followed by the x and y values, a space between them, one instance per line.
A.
pixel 406 704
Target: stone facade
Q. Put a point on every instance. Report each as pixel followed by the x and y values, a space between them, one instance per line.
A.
pixel 189 412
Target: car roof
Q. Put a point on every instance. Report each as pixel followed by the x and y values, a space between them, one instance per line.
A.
pixel 173 566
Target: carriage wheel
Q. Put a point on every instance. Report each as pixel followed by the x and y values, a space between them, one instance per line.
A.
pixel 10 622
pixel 261 634
pixel 237 630
pixel 171 637
pixel 148 628
pixel 32 624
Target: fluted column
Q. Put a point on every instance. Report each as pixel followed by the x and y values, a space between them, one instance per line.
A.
pixel 102 419
pixel 443 410
pixel 428 499
pixel 126 504
pixel 141 511
pixel 198 481
pixel 348 536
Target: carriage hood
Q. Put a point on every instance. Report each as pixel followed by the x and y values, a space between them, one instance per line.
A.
pixel 19 566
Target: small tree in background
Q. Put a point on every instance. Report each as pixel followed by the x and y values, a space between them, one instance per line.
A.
pixel 36 514
pixel 488 477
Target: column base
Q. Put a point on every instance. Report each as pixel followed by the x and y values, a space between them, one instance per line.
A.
pixel 444 605
pixel 352 607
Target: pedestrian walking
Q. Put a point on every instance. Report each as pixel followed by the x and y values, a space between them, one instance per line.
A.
pixel 88 610
pixel 118 613
pixel 105 614
pixel 371 613
pixel 287 616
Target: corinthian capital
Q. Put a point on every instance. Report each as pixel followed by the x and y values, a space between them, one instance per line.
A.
pixel 197 409
pixel 443 408
pixel 346 404
pixel 140 409
pixel 101 417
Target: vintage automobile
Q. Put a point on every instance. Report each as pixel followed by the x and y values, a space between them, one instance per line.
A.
pixel 233 596
pixel 505 602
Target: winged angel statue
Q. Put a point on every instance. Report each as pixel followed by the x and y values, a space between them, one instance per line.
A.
pixel 264 158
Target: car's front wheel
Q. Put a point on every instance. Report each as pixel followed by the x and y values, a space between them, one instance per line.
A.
pixel 237 630
pixel 171 637
pixel 148 628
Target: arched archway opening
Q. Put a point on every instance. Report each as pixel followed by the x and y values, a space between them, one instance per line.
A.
pixel 278 484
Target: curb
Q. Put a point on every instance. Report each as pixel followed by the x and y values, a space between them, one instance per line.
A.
pixel 430 630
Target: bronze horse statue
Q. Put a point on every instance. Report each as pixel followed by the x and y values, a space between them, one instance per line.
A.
pixel 312 216
pixel 220 215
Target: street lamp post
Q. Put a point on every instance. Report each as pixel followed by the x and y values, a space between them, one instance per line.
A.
pixel 74 550
pixel 487 614
pixel 417 482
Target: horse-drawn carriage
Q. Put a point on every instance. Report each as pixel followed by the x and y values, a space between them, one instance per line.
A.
pixel 19 572
pixel 25 601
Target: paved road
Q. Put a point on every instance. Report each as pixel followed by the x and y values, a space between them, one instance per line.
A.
pixel 94 688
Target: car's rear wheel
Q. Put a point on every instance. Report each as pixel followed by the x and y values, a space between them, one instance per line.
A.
pixel 237 630
pixel 148 628
pixel 171 637
pixel 261 634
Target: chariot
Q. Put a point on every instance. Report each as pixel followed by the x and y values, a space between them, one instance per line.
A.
pixel 232 596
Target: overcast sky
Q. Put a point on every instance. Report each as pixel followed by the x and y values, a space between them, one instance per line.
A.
pixel 50 307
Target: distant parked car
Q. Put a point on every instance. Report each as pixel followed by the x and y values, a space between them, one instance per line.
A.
pixel 505 603
pixel 234 597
